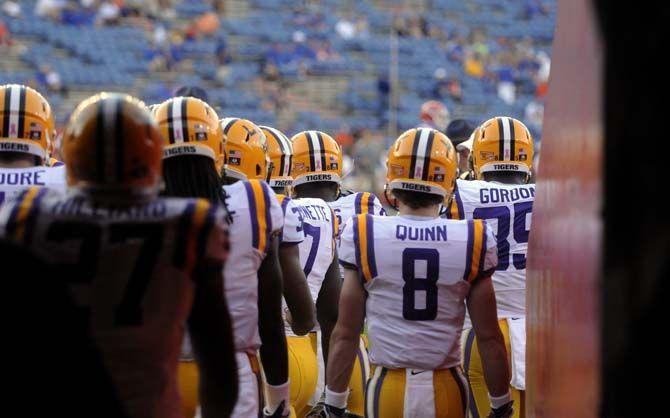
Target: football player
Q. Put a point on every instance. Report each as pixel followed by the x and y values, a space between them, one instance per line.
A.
pixel 26 128
pixel 255 297
pixel 502 155
pixel 345 204
pixel 280 152
pixel 139 266
pixel 302 310
pixel 311 190
pixel 191 168
pixel 434 115
pixel 460 132
pixel 413 275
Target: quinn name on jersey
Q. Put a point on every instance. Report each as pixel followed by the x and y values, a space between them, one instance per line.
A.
pixel 417 272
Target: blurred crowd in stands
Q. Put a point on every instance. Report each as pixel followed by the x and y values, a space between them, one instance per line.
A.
pixel 504 74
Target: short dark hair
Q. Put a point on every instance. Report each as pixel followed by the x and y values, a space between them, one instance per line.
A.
pixel 316 188
pixel 506 177
pixel 417 200
pixel 192 176
pixel 192 91
pixel 11 156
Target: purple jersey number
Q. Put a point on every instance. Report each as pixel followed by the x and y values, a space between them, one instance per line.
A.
pixel 520 231
pixel 426 284
pixel 315 233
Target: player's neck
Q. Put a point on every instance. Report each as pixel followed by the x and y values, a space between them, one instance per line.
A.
pixel 325 196
pixel 432 211
pixel 20 163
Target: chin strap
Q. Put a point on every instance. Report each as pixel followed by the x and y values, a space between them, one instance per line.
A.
pixel 268 172
pixel 393 202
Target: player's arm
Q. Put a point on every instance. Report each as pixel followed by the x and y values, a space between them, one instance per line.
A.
pixel 483 313
pixel 296 291
pixel 327 303
pixel 212 339
pixel 453 210
pixel 345 337
pixel 274 352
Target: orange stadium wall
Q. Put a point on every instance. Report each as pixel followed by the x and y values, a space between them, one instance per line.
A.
pixel 564 255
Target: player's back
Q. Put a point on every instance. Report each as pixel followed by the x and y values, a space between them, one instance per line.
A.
pixel 417 274
pixel 256 214
pixel 356 203
pixel 317 250
pixel 508 210
pixel 14 180
pixel 128 267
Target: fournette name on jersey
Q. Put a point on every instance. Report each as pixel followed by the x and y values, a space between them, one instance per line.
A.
pixel 320 227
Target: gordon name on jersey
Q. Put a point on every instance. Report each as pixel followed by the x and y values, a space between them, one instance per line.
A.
pixel 508 209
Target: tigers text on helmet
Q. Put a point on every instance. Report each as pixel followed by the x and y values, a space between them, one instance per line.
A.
pixel 245 149
pixel 316 157
pixel 280 153
pixel 190 127
pixel 112 144
pixel 26 120
pixel 502 144
pixel 422 160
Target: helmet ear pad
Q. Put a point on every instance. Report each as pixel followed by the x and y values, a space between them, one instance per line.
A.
pixel 392 201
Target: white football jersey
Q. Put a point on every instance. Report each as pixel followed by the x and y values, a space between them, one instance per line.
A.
pixel 508 209
pixel 15 180
pixel 320 227
pixel 256 215
pixel 355 204
pixel 129 269
pixel 292 232
pixel 417 273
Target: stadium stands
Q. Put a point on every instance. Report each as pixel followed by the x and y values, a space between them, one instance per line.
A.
pixel 305 47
